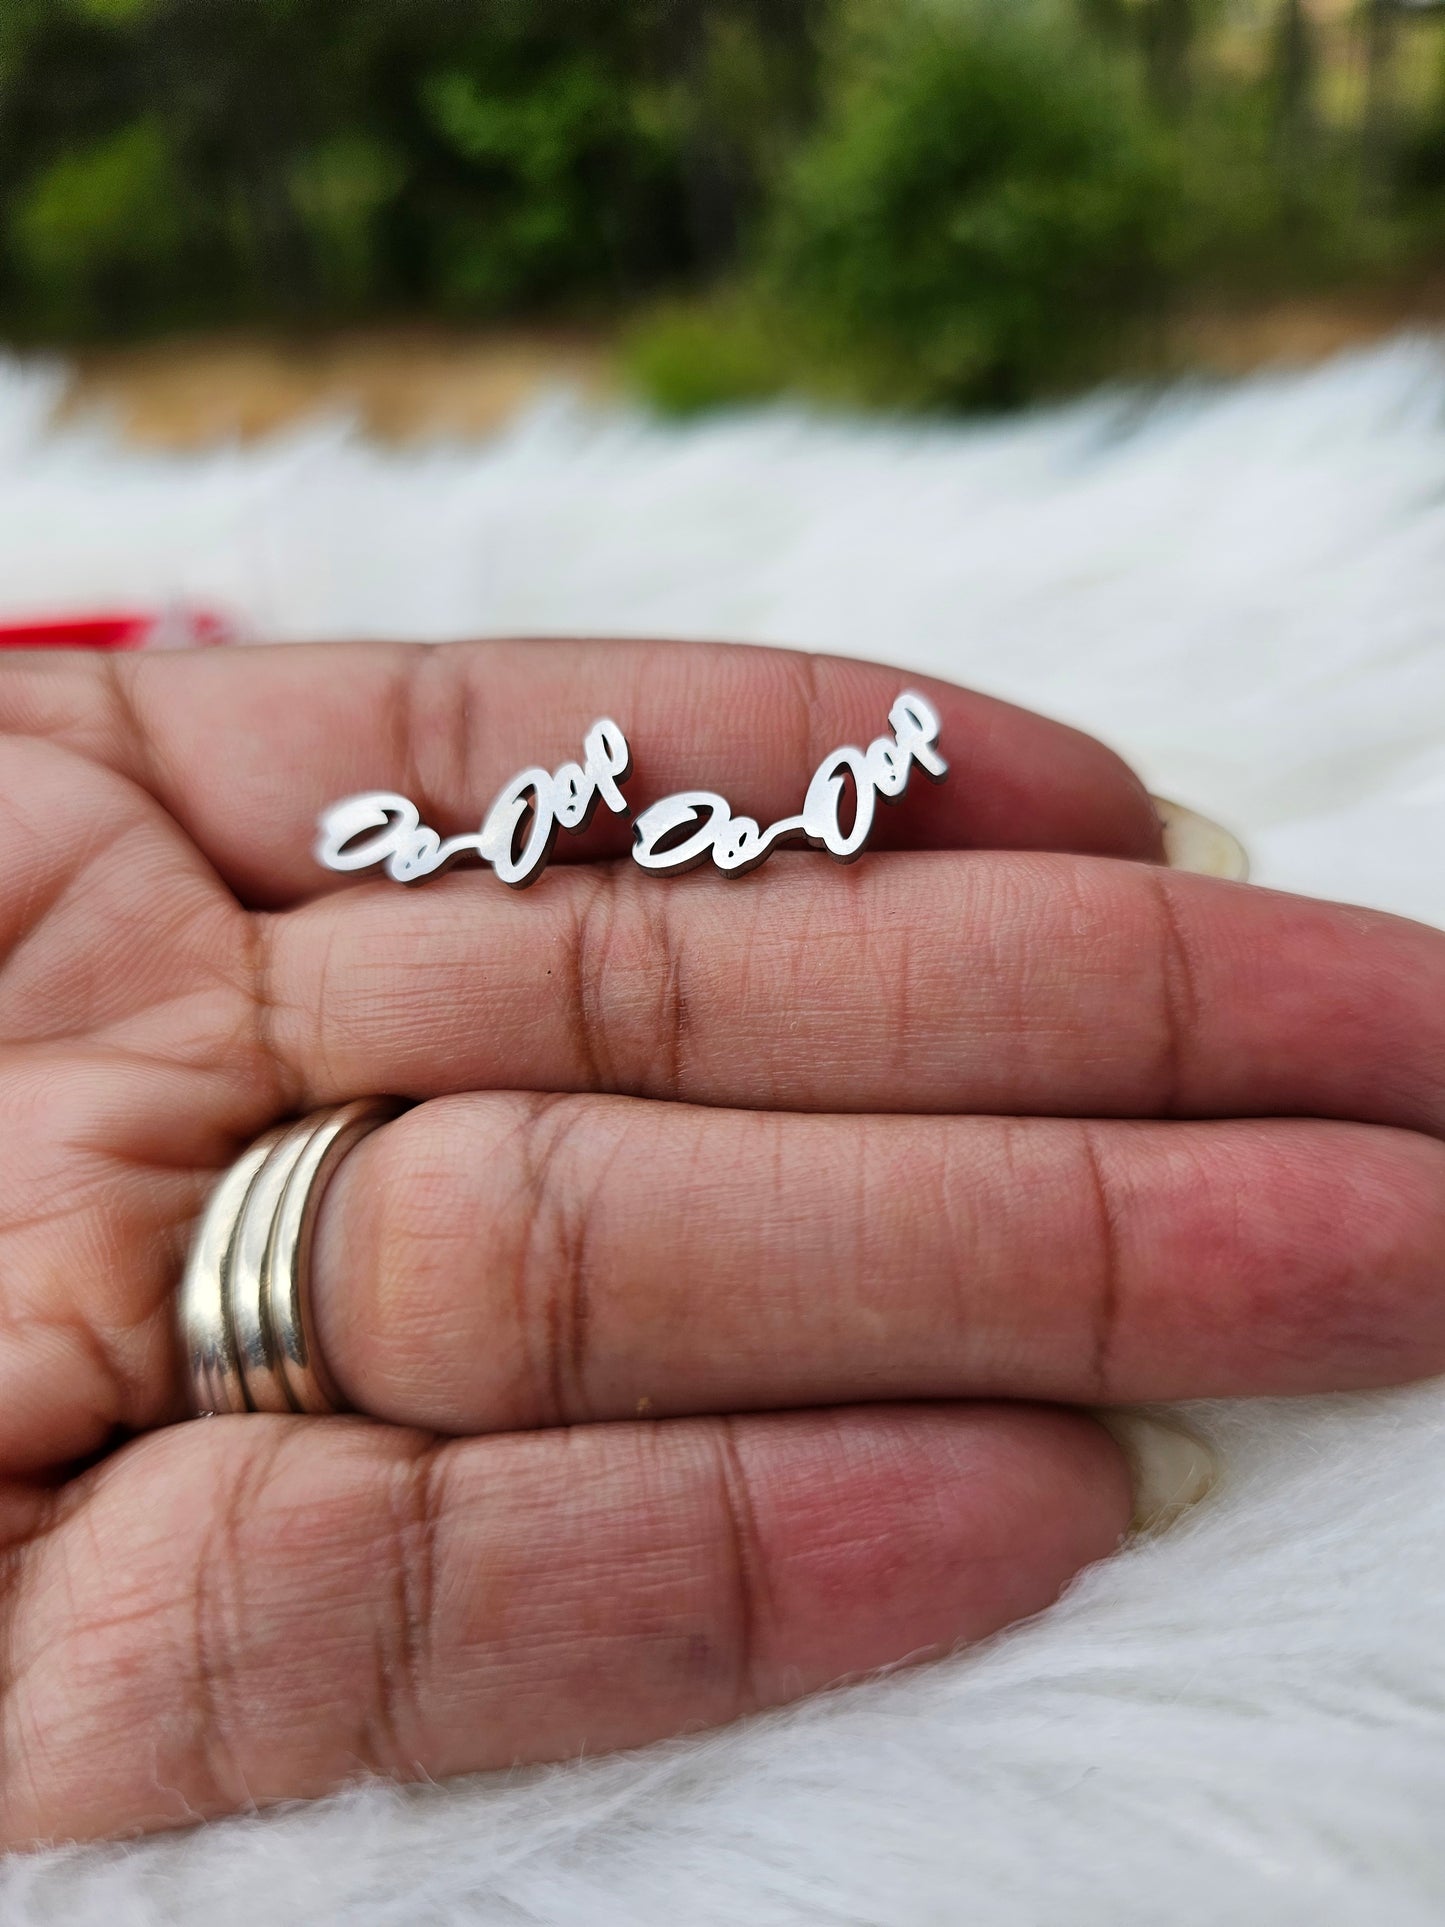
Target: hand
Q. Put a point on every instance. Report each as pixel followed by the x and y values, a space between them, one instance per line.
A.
pixel 724 1193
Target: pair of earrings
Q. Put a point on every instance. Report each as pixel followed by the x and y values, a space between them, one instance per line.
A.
pixel 673 835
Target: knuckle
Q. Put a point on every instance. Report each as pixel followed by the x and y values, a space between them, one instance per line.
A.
pixel 216 1663
pixel 670 1023
pixel 630 991
pixel 403 1641
pixel 747 1570
pixel 593 955
pixel 1106 1305
pixel 433 717
pixel 1176 994
pixel 803 671
pixel 554 1266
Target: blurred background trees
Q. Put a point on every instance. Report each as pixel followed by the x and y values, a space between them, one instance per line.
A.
pixel 916 201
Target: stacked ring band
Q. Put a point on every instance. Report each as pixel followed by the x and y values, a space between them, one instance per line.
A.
pixel 245 1303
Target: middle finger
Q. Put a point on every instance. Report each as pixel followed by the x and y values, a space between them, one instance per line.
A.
pixel 1004 982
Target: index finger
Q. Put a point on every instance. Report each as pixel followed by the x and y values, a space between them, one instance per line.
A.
pixel 245 747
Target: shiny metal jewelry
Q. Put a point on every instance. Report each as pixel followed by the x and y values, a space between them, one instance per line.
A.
pixel 674 834
pixel 244 1304
pixel 685 830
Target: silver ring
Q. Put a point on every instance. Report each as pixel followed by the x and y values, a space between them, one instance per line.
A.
pixel 244 1304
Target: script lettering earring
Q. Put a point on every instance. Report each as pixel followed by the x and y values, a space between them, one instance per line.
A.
pixel 736 844
pixel 382 827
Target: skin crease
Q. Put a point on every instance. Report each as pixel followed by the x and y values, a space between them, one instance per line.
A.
pixel 1004 1111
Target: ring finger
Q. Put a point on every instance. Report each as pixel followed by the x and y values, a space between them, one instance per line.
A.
pixel 506 1261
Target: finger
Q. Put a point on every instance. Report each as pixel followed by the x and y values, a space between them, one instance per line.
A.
pixel 1003 982
pixel 246 747
pixel 264 1608
pixel 492 1263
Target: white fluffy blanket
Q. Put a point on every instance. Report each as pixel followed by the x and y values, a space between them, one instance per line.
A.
pixel 1243 588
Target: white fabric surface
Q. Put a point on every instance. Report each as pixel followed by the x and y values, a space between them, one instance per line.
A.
pixel 1242 588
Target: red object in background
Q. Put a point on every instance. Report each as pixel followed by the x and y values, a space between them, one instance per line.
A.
pixel 178 628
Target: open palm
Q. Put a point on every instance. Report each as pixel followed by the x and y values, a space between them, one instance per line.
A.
pixel 715 1315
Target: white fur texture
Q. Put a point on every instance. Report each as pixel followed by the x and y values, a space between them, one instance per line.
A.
pixel 1243 588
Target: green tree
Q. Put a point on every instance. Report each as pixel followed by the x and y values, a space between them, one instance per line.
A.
pixel 91 228
pixel 984 207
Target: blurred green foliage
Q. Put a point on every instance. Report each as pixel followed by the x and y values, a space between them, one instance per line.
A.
pixel 97 216
pixel 998 201
pixel 178 162
pixel 992 151
pixel 914 201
